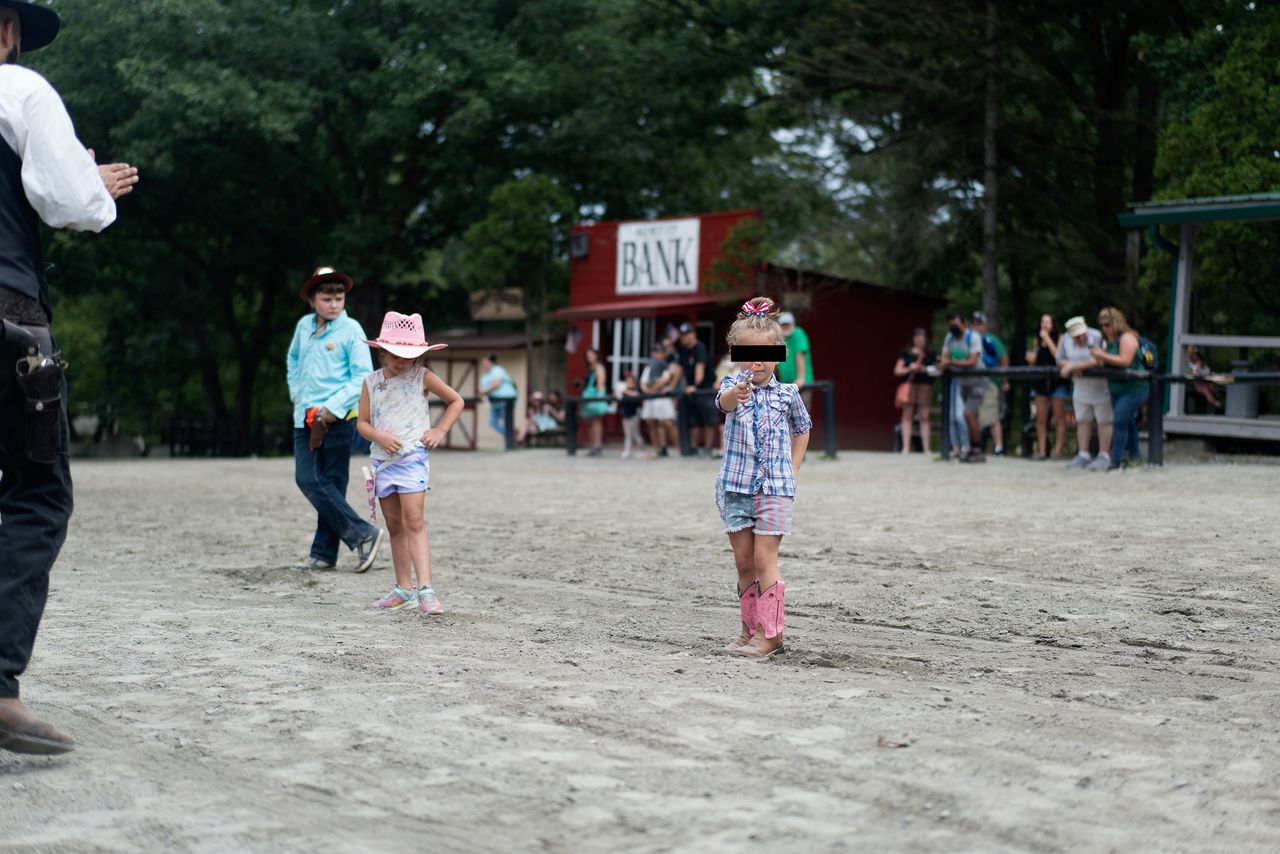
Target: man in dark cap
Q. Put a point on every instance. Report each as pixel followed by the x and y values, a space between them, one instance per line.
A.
pixel 45 175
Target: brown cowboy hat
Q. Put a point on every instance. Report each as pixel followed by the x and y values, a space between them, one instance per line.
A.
pixel 39 23
pixel 319 276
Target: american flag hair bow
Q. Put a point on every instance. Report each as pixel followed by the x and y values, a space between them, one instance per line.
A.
pixel 750 310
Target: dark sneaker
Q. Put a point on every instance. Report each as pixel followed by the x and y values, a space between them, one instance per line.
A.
pixel 368 550
pixel 314 564
pixel 999 452
pixel 975 457
pixel 663 453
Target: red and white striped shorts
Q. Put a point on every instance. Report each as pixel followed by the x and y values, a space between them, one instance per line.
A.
pixel 768 515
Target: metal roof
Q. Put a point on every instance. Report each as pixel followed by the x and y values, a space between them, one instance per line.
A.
pixel 1240 208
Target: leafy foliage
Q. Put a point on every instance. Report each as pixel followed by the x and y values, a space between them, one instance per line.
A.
pixel 431 148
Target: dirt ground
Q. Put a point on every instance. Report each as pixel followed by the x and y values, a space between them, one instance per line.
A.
pixel 1076 662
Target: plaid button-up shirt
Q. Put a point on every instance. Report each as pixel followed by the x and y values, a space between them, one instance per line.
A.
pixel 757 439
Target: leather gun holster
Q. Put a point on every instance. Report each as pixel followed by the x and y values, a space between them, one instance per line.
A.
pixel 40 378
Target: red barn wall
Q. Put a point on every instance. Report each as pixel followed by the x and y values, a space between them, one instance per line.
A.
pixel 856 335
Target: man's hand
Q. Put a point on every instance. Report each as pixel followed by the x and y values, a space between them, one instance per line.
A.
pixel 433 437
pixel 118 178
pixel 689 389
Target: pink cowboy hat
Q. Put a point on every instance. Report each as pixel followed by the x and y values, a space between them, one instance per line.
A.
pixel 402 336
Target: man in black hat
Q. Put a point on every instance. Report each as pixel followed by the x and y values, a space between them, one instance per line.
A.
pixel 45 174
pixel 699 375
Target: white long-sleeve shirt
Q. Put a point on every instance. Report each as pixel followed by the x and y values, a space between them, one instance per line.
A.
pixel 61 180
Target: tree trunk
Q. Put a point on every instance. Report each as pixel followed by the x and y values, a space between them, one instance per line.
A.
pixel 990 189
pixel 209 378
pixel 546 329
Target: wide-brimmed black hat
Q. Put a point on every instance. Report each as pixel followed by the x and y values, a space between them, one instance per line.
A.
pixel 40 24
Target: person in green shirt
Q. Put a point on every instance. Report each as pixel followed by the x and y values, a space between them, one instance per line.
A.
pixel 798 368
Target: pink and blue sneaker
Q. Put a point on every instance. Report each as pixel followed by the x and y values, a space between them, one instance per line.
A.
pixel 397 598
pixel 429 602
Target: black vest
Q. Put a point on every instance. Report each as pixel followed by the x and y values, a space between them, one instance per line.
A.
pixel 21 262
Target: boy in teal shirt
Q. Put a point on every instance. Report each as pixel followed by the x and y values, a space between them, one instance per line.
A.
pixel 327 362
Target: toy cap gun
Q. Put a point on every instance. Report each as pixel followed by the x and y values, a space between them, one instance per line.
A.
pixel 40 378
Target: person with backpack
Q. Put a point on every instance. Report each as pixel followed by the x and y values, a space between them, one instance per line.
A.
pixel 994 355
pixel 1128 351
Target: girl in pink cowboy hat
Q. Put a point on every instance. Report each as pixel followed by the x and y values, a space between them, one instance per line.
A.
pixel 394 417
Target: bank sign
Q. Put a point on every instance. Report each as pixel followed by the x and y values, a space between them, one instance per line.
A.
pixel 658 257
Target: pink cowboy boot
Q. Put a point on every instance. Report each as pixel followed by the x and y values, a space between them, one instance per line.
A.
pixel 747 606
pixel 770 614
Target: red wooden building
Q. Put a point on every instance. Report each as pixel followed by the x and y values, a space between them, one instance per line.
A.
pixel 632 282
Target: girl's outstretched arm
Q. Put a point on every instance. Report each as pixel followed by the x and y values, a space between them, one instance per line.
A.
pixel 432 383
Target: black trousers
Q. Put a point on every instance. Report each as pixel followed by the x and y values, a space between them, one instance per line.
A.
pixel 35 506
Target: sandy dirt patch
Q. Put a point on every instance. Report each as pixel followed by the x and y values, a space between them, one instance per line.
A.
pixel 1082 662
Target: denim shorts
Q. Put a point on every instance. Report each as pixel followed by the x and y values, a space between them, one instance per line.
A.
pixel 768 515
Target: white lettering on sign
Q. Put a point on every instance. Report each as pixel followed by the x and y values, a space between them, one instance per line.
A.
pixel 658 257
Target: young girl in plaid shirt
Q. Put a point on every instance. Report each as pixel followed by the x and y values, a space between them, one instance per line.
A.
pixel 766 432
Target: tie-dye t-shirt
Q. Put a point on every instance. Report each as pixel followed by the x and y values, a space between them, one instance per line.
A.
pixel 398 405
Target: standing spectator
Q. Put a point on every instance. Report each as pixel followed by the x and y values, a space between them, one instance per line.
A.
pixel 660 412
pixel 1089 395
pixel 629 410
pixel 798 368
pixel 962 349
pixel 675 382
pixel 993 411
pixel 47 175
pixel 1127 396
pixel 593 411
pixel 695 361
pixel 497 387
pixel 913 369
pixel 1050 392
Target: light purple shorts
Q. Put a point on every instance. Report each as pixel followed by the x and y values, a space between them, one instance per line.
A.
pixel 410 473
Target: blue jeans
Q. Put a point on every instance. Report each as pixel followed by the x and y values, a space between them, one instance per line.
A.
pixel 497 414
pixel 959 428
pixel 1125 435
pixel 322 476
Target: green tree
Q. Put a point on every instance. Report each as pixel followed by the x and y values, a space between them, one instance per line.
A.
pixel 521 244
pixel 364 135
pixel 1223 143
